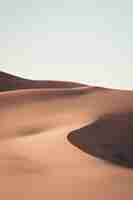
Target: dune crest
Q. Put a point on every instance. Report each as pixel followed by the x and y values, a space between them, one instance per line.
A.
pixel 53 135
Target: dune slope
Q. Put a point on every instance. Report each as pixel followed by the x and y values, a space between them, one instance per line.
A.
pixel 42 124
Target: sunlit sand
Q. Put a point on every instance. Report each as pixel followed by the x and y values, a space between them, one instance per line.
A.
pixel 37 161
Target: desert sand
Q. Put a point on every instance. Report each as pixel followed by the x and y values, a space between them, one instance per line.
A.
pixel 41 156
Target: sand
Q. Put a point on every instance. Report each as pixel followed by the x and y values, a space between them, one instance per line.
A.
pixel 39 161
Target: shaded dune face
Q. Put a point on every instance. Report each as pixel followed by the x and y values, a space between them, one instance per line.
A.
pixel 11 82
pixel 110 137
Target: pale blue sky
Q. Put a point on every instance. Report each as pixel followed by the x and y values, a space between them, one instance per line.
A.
pixel 95 35
pixel 66 15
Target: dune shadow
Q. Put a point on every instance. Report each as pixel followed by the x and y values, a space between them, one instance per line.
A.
pixel 109 138
pixel 12 82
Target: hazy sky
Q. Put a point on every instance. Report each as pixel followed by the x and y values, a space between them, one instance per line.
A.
pixel 80 40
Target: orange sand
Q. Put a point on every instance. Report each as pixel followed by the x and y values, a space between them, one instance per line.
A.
pixel 36 159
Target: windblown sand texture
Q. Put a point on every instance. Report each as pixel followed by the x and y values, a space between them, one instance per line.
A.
pixel 53 135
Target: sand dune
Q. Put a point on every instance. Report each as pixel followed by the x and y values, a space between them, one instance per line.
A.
pixel 53 134
pixel 12 82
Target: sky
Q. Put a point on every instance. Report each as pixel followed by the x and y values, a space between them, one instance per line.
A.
pixel 89 41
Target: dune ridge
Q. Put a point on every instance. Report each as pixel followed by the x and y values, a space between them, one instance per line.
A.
pixel 67 104
pixel 53 134
pixel 12 82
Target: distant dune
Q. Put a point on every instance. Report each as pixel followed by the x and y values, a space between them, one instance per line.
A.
pixel 64 140
pixel 12 82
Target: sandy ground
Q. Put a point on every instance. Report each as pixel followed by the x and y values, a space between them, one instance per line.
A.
pixel 36 159
pixel 47 166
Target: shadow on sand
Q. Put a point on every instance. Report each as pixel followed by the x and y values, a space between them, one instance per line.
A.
pixel 109 138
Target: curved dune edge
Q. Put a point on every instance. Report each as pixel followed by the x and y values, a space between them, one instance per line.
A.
pixel 109 138
pixel 45 164
pixel 12 82
pixel 21 98
pixel 21 101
